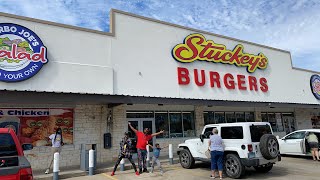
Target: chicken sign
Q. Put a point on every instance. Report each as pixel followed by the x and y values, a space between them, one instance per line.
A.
pixel 22 53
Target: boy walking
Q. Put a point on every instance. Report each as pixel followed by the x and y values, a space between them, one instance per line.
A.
pixel 155 158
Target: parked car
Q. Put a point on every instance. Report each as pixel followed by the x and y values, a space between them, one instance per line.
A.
pixel 13 164
pixel 248 144
pixel 295 143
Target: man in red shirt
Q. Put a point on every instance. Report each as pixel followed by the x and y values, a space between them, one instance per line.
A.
pixel 142 141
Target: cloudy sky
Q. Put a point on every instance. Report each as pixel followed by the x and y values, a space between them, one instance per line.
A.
pixel 292 25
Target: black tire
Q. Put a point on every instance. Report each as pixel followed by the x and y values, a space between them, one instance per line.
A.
pixel 233 166
pixel 264 168
pixel 186 159
pixel 269 146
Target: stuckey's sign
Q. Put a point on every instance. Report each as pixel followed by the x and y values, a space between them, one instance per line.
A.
pixel 196 47
pixel 22 53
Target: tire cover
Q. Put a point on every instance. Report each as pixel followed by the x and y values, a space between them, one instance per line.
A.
pixel 266 151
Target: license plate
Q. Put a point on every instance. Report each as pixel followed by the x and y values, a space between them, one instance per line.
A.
pixel 251 155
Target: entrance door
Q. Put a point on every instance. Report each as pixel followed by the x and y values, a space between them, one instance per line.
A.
pixel 140 124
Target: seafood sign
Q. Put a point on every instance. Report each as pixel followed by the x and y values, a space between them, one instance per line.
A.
pixel 315 85
pixel 22 53
pixel 196 47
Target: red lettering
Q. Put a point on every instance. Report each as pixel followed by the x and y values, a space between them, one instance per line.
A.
pixel 214 78
pixel 244 59
pixel 229 84
pixel 263 63
pixel 253 83
pixel 253 63
pixel 264 86
pixel 196 77
pixel 183 76
pixel 224 56
pixel 241 82
pixel 235 56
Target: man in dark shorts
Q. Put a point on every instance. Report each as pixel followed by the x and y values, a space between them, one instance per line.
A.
pixel 142 141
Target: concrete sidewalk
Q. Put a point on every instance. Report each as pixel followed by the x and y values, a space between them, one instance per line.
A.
pixel 76 172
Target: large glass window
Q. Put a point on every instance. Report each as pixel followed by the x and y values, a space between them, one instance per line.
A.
pixel 219 117
pixel 230 117
pixel 211 117
pixel 162 123
pixel 272 121
pixel 188 124
pixel 175 124
pixel 279 122
pixel 240 117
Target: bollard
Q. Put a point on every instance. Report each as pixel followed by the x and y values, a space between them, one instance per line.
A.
pixel 91 162
pixel 148 156
pixel 170 154
pixel 122 162
pixel 56 166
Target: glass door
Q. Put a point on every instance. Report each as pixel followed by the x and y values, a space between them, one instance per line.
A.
pixel 140 124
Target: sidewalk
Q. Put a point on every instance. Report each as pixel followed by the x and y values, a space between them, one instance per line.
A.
pixel 69 172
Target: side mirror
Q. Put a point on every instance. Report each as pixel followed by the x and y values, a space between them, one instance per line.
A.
pixel 27 147
pixel 202 137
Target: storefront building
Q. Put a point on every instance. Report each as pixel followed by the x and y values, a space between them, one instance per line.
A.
pixel 150 73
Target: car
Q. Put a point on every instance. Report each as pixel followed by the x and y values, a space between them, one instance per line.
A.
pixel 247 144
pixel 295 143
pixel 13 164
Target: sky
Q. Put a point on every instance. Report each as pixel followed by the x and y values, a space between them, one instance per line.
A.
pixel 292 25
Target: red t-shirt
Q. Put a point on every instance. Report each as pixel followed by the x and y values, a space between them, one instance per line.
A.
pixel 142 140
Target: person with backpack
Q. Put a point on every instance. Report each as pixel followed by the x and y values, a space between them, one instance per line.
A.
pixel 125 152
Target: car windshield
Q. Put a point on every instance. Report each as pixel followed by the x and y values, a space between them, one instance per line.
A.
pixel 257 131
pixel 7 146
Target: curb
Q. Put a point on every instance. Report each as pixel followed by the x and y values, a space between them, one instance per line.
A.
pixel 78 173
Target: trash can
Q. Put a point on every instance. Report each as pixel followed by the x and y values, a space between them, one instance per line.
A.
pixel 84 156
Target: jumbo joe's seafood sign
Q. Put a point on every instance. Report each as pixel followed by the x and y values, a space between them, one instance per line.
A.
pixel 195 47
pixel 22 53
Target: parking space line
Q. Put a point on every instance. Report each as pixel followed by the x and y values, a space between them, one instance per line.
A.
pixel 110 177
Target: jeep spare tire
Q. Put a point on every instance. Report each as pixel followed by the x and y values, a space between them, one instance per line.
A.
pixel 269 146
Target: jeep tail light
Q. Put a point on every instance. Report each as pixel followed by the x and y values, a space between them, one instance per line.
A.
pixel 250 149
pixel 26 174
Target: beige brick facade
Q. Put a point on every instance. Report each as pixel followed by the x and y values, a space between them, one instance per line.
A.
pixel 91 122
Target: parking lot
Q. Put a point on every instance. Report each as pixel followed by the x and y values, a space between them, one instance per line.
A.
pixel 288 168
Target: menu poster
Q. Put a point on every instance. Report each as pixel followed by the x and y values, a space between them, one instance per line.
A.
pixel 36 125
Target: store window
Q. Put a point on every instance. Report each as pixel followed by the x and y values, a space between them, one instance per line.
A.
pixel 162 123
pixel 315 121
pixel 211 117
pixel 37 124
pixel 188 124
pixel 175 124
pixel 280 122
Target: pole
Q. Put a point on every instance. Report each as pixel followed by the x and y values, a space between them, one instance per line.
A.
pixel 56 166
pixel 148 156
pixel 170 154
pixel 122 162
pixel 91 162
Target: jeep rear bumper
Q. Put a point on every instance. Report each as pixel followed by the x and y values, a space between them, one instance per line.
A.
pixel 258 162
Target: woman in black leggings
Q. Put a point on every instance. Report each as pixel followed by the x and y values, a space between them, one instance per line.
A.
pixel 125 152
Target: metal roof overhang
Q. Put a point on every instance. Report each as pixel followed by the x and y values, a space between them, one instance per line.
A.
pixel 32 97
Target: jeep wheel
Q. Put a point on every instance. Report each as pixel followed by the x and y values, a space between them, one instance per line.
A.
pixel 264 168
pixel 186 159
pixel 269 146
pixel 233 166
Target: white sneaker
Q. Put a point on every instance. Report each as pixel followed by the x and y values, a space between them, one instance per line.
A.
pixel 47 171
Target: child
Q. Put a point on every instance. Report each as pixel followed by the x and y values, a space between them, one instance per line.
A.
pixel 156 154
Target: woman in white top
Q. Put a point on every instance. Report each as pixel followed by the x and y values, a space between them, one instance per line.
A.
pixel 216 148
pixel 314 145
pixel 57 142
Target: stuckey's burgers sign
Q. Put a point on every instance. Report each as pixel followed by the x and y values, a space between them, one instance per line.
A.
pixel 22 53
pixel 195 47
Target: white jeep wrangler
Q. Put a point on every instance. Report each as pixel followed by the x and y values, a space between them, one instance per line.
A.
pixel 245 144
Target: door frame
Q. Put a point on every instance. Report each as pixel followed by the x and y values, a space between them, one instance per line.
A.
pixel 140 125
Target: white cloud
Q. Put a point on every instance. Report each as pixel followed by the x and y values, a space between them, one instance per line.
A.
pixel 291 25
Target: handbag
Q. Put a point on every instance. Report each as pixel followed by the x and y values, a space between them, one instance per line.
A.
pixel 208 153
